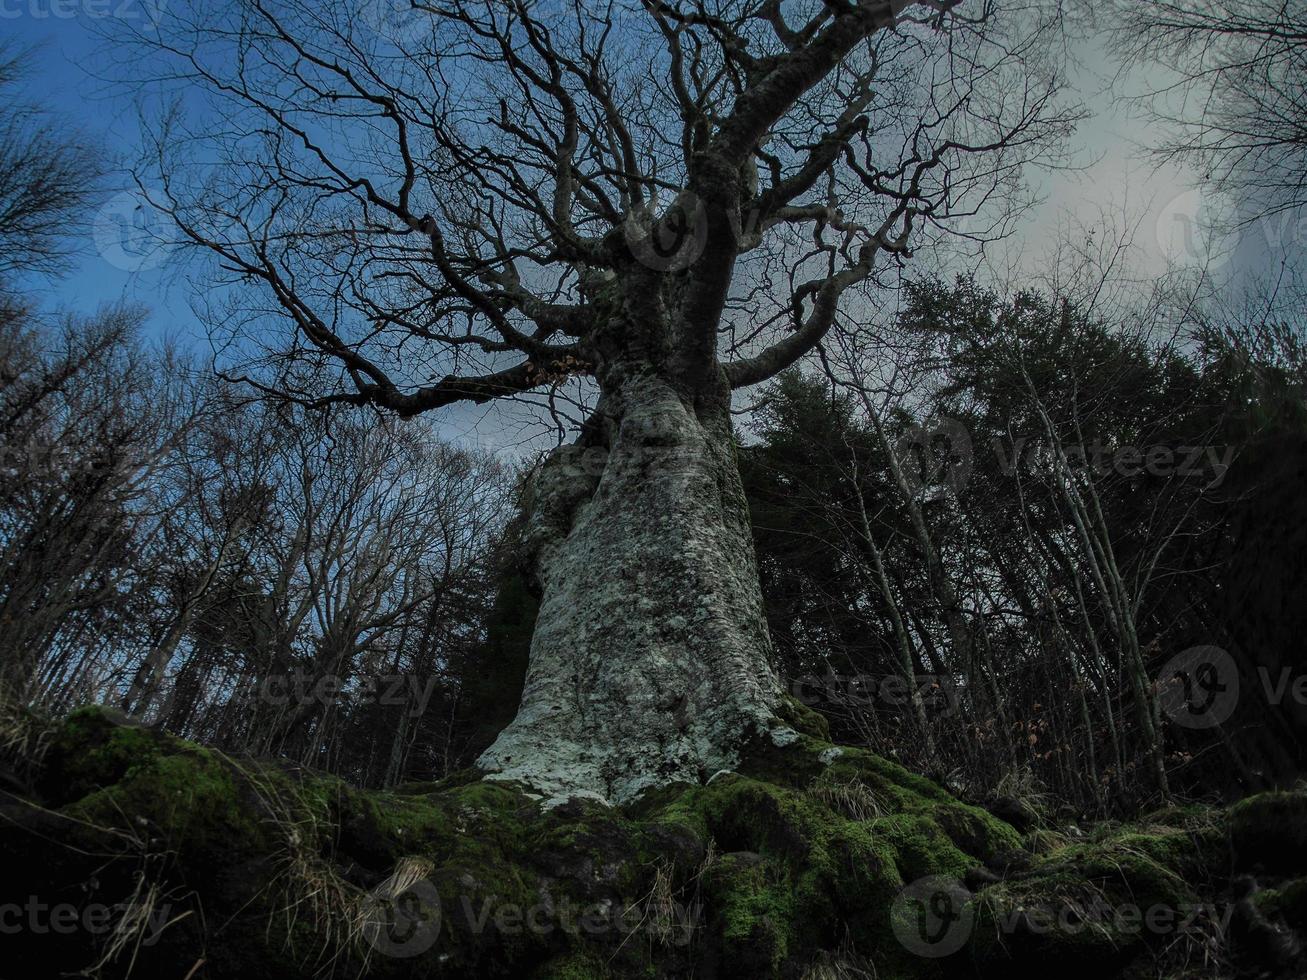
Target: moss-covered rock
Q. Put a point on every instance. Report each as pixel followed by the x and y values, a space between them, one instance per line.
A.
pixel 1083 910
pixel 809 855
pixel 802 718
pixel 1270 830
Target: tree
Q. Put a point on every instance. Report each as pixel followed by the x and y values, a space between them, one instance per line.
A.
pixel 47 178
pixel 314 563
pixel 822 492
pixel 1234 104
pixel 628 208
pixel 88 423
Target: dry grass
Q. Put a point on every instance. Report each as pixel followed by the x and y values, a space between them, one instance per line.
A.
pixel 407 873
pixel 141 915
pixel 664 919
pixel 659 913
pixel 1023 786
pixel 851 798
pixel 303 882
pixel 344 916
pixel 841 965
pixel 1198 951
pixel 1040 841
pixel 137 923
pixel 24 738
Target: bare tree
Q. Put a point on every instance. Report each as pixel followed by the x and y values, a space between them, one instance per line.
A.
pixel 308 572
pixel 650 203
pixel 1232 100
pixel 48 175
pixel 88 423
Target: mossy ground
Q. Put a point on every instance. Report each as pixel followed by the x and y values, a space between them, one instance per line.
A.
pixel 793 867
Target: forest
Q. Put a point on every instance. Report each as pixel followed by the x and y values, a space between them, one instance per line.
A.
pixel 638 497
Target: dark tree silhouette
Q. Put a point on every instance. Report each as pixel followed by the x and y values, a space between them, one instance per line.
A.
pixel 48 176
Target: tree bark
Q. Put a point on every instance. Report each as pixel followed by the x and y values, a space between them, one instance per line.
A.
pixel 650 658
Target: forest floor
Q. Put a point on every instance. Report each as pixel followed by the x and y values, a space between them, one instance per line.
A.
pixel 127 851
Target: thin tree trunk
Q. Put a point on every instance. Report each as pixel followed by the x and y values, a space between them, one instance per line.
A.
pixel 906 656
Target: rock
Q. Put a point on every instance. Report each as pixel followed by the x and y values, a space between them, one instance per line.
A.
pixel 1013 811
pixel 784 737
pixel 978 878
pixel 1270 829
pixel 1262 939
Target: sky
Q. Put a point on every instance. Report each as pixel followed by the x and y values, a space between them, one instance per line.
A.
pixel 114 262
pixel 1165 208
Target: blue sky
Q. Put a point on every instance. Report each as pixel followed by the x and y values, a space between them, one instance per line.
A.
pixel 115 260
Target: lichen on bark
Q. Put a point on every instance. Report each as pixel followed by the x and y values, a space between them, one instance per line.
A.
pixel 649 663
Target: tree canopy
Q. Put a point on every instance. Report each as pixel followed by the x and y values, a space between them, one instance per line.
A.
pixel 486 199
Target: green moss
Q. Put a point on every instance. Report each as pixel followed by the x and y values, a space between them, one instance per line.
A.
pixel 1180 850
pixel 1041 841
pixel 975 831
pixel 921 847
pixel 754 912
pixel 895 783
pixel 1178 815
pixel 1084 907
pixel 803 719
pixel 190 799
pixel 801 855
pixel 797 856
pixel 747 814
pixel 794 765
pixel 852 888
pixel 584 965
pixel 90 750
pixel 1288 903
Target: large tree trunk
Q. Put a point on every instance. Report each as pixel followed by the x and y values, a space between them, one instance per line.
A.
pixel 649 661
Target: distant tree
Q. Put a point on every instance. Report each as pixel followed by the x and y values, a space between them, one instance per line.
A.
pixel 49 174
pixel 793 468
pixel 348 556
pixel 829 526
pixel 1120 474
pixel 88 424
pixel 1231 99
